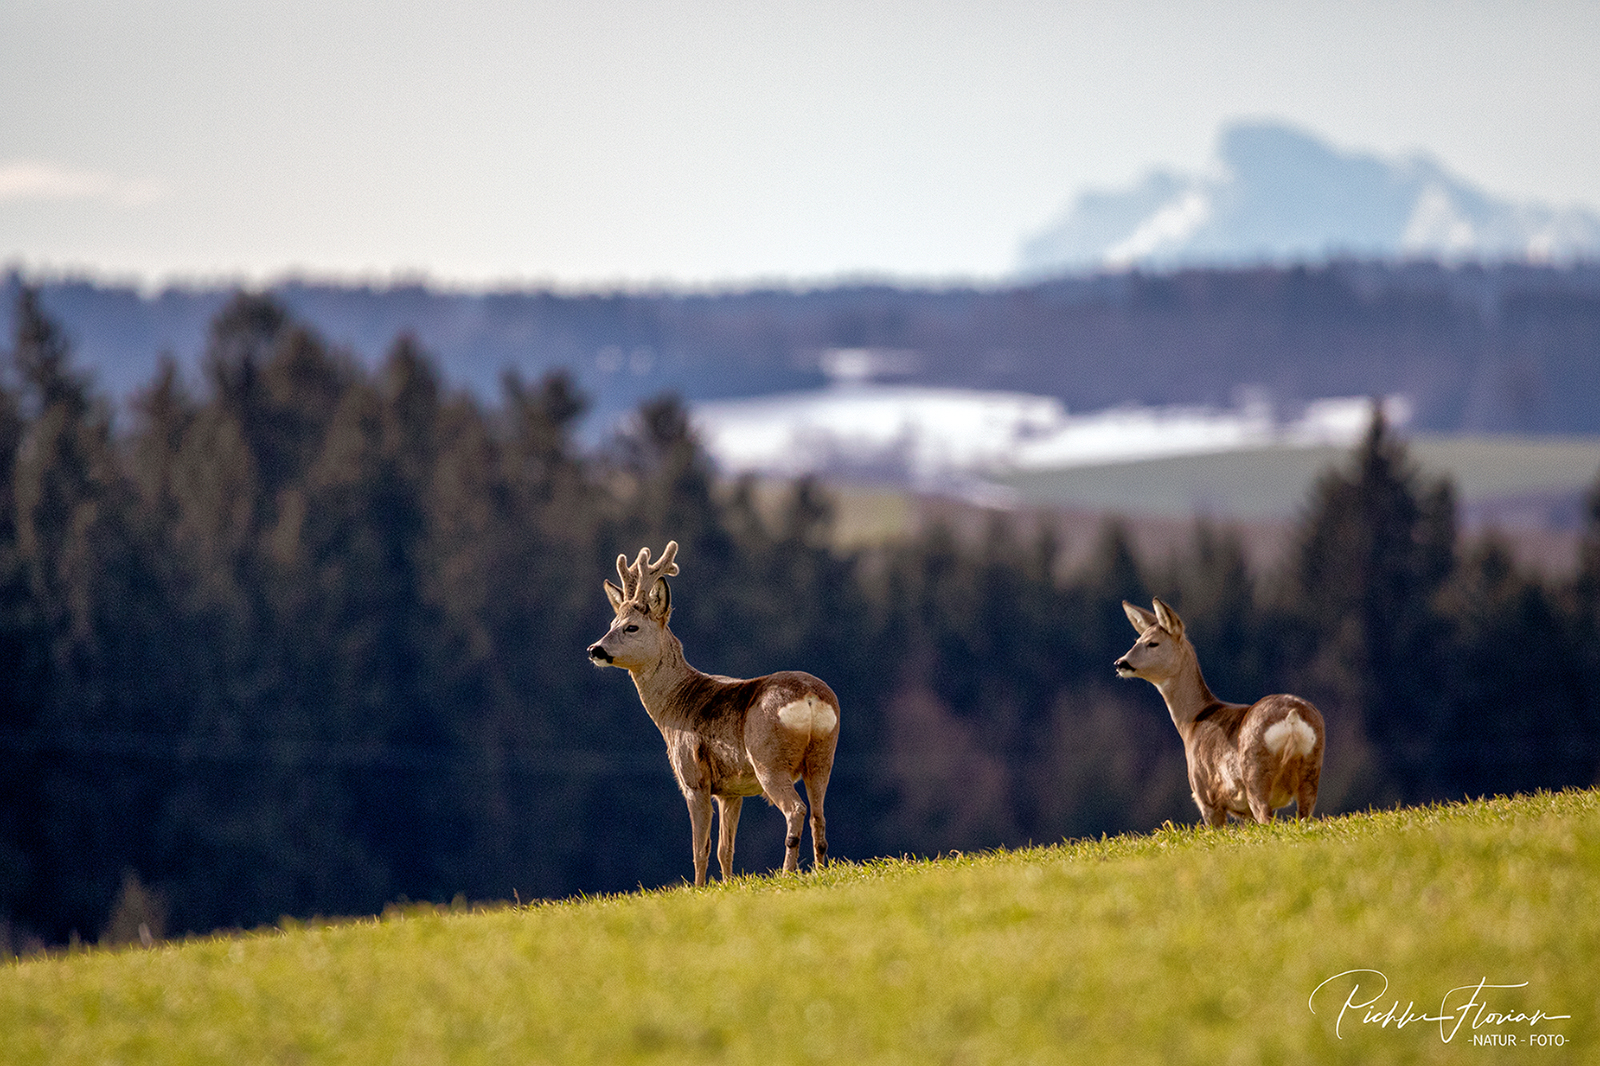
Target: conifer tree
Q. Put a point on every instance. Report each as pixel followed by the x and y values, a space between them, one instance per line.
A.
pixel 1214 588
pixel 1515 656
pixel 24 672
pixel 92 607
pixel 1376 546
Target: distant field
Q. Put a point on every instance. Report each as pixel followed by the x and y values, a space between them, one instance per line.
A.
pixel 863 514
pixel 1276 482
pixel 1530 488
pixel 1183 945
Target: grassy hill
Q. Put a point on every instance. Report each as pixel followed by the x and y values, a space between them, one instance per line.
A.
pixel 1179 946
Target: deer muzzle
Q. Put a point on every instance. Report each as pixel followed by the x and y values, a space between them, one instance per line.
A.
pixel 598 654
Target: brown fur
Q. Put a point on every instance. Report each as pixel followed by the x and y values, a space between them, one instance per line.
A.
pixel 726 738
pixel 1244 759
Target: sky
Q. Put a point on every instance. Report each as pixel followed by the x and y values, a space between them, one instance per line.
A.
pixel 588 144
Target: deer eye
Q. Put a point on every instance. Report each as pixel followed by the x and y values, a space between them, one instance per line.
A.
pixel 630 629
pixel 1153 644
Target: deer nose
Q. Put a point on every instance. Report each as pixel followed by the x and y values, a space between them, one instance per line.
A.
pixel 1122 665
pixel 599 654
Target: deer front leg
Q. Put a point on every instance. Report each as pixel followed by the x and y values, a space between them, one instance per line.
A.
pixel 727 826
pixel 1213 815
pixel 700 832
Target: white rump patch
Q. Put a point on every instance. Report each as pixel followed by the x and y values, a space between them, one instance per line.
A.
pixel 809 715
pixel 1292 736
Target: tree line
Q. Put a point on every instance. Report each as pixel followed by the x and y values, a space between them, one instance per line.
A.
pixel 305 636
pixel 1502 347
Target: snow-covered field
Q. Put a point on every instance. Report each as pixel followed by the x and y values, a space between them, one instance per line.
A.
pixel 933 438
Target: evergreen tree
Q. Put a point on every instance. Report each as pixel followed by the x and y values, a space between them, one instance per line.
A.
pixel 1585 613
pixel 1376 546
pixel 312 638
pixel 1586 583
pixel 1112 573
pixel 92 606
pixel 24 670
pixel 1214 588
pixel 1520 714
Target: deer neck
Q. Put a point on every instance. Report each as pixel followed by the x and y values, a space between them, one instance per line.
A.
pixel 658 682
pixel 1186 694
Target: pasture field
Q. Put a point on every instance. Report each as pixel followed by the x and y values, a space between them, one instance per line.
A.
pixel 1274 483
pixel 1182 945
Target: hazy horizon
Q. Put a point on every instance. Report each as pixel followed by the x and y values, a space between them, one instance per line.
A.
pixel 714 144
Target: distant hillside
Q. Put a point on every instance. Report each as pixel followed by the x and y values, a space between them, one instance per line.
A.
pixel 1277 194
pixel 1506 481
pixel 1476 349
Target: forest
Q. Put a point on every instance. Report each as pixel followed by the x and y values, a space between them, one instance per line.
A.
pixel 1479 348
pixel 308 637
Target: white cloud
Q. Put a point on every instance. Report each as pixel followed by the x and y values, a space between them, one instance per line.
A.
pixel 35 181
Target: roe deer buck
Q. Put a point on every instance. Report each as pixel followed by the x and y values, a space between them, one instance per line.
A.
pixel 726 738
pixel 1244 759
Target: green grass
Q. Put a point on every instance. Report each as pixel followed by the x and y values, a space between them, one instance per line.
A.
pixel 1183 945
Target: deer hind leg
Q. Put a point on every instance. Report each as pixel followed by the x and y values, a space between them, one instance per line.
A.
pixel 700 832
pixel 1266 774
pixel 1258 794
pixel 781 791
pixel 1305 797
pixel 816 788
pixel 727 827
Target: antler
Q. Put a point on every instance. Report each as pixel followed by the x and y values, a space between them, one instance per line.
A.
pixel 639 577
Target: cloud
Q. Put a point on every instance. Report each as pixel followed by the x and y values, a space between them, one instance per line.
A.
pixel 34 181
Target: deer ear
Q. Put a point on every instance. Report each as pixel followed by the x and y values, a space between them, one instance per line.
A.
pixel 659 600
pixel 1169 620
pixel 614 594
pixel 1141 618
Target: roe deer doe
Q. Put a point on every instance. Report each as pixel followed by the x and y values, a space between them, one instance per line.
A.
pixel 726 738
pixel 1244 759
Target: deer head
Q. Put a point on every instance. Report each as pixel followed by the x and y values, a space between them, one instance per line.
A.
pixel 643 603
pixel 1159 654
